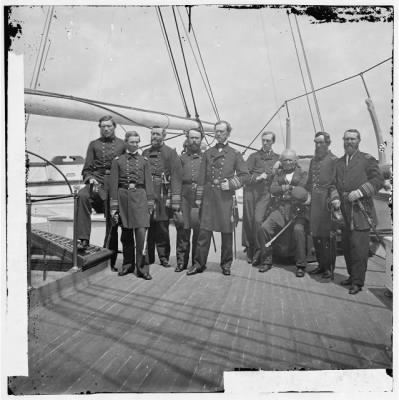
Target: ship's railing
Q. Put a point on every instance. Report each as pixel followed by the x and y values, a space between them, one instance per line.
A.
pixel 30 199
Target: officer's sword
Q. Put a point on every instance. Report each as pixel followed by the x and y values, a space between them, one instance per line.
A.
pixel 144 252
pixel 289 223
pixel 369 222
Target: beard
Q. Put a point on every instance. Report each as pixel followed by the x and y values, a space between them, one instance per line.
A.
pixel 350 148
pixel 194 147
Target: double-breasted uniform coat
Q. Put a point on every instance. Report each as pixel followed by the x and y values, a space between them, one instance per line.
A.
pixel 219 163
pixel 360 172
pixel 256 199
pixel 133 197
pixel 321 184
pixel 166 179
pixel 99 156
pixel 190 163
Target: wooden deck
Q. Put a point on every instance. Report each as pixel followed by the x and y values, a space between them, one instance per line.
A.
pixel 179 334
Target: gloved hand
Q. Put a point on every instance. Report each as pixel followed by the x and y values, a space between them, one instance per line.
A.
pixel 286 187
pixel 355 195
pixel 261 177
pixel 115 217
pixel 150 209
pixel 336 204
pixel 225 185
pixel 308 200
pixel 93 181
pixel 198 203
pixel 175 207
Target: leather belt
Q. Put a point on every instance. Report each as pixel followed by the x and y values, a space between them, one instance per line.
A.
pixel 131 186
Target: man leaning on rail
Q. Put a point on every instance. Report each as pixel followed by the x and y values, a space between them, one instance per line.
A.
pixel 96 175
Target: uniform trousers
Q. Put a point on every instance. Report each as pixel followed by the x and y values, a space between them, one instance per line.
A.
pixel 158 236
pixel 86 200
pixel 325 249
pixel 133 245
pixel 203 245
pixel 271 227
pixel 355 245
pixel 183 245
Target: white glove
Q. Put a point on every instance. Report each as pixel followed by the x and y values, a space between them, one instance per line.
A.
pixel 225 185
pixel 93 181
pixel 355 195
pixel 336 203
pixel 261 177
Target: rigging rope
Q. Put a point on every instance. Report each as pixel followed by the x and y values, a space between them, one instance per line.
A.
pixel 300 68
pixel 172 60
pixel 185 63
pixel 208 91
pixel 309 75
pixel 203 65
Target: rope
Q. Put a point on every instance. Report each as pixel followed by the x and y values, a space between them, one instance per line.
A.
pixel 267 123
pixel 300 68
pixel 172 60
pixel 203 65
pixel 185 63
pixel 309 74
pixel 208 91
pixel 169 138
pixel 342 80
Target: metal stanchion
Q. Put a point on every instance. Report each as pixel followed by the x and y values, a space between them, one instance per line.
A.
pixel 28 236
pixel 75 267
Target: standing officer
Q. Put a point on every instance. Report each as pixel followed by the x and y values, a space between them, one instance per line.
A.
pixel 222 172
pixel 321 185
pixel 288 188
pixel 257 194
pixel 190 161
pixel 132 199
pixel 96 171
pixel 358 179
pixel 166 179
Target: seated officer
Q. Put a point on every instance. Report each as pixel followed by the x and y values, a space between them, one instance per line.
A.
pixel 288 189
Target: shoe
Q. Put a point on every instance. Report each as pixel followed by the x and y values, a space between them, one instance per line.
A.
pixel 113 269
pixel 226 271
pixel 193 270
pixel 300 273
pixel 326 275
pixel 316 271
pixel 355 289
pixel 180 268
pixel 146 276
pixel 346 282
pixel 83 244
pixel 255 263
pixel 249 260
pixel 265 267
pixel 165 263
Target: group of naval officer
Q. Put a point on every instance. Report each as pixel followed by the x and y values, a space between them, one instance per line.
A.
pixel 142 192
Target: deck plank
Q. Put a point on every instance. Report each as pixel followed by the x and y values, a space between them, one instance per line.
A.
pixel 178 333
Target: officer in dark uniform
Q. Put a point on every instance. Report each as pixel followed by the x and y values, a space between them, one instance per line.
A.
pixel 166 178
pixel 285 187
pixel 222 171
pixel 190 161
pixel 325 198
pixel 132 200
pixel 96 172
pixel 358 179
pixel 257 194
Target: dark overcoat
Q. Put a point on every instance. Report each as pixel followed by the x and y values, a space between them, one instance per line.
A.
pixel 219 163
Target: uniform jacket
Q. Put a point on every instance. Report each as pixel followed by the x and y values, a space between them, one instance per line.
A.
pixel 190 163
pixel 217 204
pixel 100 154
pixel 259 162
pixel 133 203
pixel 166 178
pixel 282 197
pixel 364 174
pixel 322 186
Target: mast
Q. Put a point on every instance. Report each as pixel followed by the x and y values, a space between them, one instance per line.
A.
pixel 62 106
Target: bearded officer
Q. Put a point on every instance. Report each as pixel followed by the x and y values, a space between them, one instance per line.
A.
pixel 291 198
pixel 358 179
pixel 190 162
pixel 325 198
pixel 257 194
pixel 96 172
pixel 132 199
pixel 222 172
pixel 166 178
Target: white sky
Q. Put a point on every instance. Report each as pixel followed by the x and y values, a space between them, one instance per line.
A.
pixel 118 55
